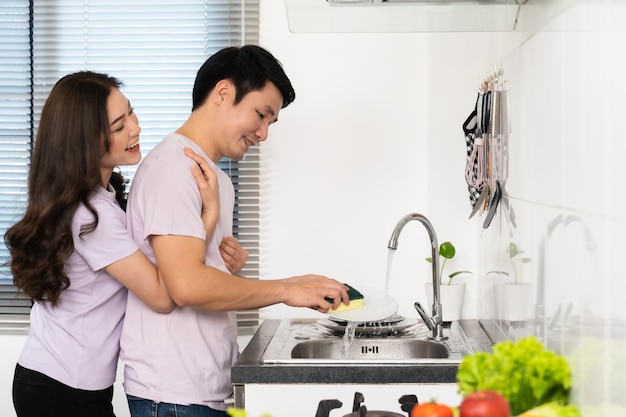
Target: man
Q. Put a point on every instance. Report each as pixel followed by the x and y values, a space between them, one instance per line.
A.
pixel 180 362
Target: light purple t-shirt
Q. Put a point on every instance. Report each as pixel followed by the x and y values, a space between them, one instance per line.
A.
pixel 183 357
pixel 77 342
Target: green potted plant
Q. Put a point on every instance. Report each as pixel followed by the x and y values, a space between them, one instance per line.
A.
pixel 446 251
pixel 452 293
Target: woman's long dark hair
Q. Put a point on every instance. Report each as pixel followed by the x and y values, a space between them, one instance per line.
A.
pixel 64 172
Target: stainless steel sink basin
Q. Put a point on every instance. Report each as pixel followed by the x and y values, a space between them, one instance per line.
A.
pixel 370 349
pixel 306 342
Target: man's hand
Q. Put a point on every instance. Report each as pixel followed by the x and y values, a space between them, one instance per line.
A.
pixel 233 254
pixel 314 291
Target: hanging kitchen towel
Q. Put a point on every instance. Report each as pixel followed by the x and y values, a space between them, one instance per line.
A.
pixel 473 144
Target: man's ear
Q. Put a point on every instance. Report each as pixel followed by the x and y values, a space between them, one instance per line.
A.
pixel 222 89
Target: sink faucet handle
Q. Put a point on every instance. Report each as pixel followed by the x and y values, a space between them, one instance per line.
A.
pixel 433 323
pixel 430 323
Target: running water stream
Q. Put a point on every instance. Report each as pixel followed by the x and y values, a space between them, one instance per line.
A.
pixel 351 326
pixel 348 336
pixel 388 274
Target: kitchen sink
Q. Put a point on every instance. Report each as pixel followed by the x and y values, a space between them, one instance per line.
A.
pixel 370 349
pixel 401 351
pixel 306 342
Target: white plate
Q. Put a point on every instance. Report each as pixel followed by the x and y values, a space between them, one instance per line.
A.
pixel 377 305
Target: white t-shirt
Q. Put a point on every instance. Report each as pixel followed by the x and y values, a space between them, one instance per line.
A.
pixel 77 342
pixel 183 357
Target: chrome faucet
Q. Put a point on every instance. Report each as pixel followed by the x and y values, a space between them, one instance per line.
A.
pixel 434 322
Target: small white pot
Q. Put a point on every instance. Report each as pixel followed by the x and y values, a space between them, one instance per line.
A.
pixel 451 300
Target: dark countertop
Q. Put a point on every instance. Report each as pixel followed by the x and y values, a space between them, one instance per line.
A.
pixel 250 370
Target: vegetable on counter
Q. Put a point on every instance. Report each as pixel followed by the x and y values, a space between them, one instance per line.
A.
pixel 485 404
pixel 552 410
pixel 238 412
pixel 524 372
pixel 431 409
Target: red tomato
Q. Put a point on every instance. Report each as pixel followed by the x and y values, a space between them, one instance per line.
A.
pixel 485 404
pixel 431 410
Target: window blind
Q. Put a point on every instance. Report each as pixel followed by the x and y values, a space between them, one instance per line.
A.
pixel 15 133
pixel 155 48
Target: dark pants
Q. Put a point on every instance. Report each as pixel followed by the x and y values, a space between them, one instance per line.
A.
pixel 37 395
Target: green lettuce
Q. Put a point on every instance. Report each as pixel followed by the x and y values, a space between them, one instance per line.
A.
pixel 524 372
pixel 553 410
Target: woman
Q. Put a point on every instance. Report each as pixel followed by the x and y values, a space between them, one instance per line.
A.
pixel 71 254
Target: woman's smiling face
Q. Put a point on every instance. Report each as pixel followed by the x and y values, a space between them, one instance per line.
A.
pixel 123 133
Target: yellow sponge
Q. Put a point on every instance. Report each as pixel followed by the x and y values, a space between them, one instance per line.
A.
pixel 356 300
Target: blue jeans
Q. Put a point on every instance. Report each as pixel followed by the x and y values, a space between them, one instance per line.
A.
pixel 140 407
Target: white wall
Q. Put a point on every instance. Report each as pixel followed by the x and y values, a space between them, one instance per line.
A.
pixel 10 346
pixel 374 134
